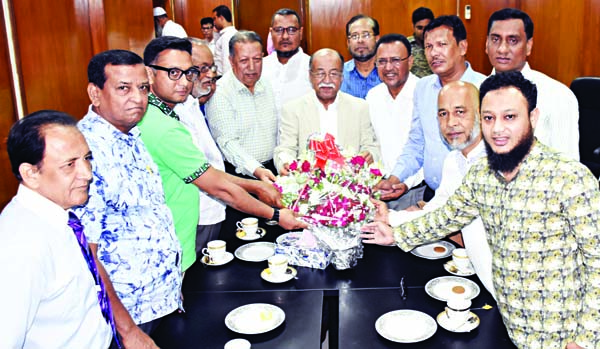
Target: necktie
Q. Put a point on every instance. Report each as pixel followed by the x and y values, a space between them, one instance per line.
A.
pixel 103 300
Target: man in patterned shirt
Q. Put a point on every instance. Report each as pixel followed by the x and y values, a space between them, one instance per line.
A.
pixel 182 166
pixel 541 212
pixel 127 222
pixel 420 19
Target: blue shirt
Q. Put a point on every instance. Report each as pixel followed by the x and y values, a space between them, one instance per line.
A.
pixel 425 147
pixel 355 84
pixel 127 217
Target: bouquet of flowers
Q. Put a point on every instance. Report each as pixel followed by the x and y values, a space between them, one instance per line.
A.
pixel 331 192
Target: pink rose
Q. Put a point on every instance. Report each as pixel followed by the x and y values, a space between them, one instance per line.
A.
pixel 358 160
pixel 294 166
pixel 376 172
pixel 306 166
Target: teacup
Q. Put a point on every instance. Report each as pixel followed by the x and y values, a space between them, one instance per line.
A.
pixel 248 225
pixel 457 309
pixel 215 250
pixel 238 343
pixel 461 259
pixel 278 264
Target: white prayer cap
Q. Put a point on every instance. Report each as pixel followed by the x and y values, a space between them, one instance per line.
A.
pixel 159 11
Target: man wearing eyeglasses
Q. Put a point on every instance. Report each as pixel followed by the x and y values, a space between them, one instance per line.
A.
pixel 445 49
pixel 212 211
pixel 287 67
pixel 208 32
pixel 360 73
pixel 391 102
pixel 182 166
pixel 325 110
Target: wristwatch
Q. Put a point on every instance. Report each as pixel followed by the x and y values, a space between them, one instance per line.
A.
pixel 275 219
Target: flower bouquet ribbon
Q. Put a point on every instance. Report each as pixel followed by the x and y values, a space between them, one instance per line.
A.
pixel 325 150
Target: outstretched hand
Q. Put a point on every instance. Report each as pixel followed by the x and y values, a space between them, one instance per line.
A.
pixel 377 233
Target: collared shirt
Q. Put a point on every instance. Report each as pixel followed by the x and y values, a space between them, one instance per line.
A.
pixel 222 49
pixel 420 66
pixel 558 123
pixel 355 84
pixel 456 166
pixel 425 147
pixel 391 119
pixel 544 231
pixel 212 211
pixel 180 163
pixel 244 124
pixel 212 44
pixel 328 118
pixel 127 217
pixel 48 295
pixel 173 29
pixel 288 80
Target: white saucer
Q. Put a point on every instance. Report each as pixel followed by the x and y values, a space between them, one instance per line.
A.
pixel 444 287
pixel 228 257
pixel 260 232
pixel 255 251
pixel 254 318
pixel 451 267
pixel 405 326
pixel 270 277
pixel 434 250
pixel 467 326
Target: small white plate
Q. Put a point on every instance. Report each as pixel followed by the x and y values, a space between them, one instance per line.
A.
pixel 444 287
pixel 405 326
pixel 451 267
pixel 289 274
pixel 254 318
pixel 255 251
pixel 260 232
pixel 467 326
pixel 434 250
pixel 228 257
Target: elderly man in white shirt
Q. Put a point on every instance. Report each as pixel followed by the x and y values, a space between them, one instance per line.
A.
pixel 169 28
pixel 212 210
pixel 49 296
pixel 509 43
pixel 287 67
pixel 391 102
pixel 458 116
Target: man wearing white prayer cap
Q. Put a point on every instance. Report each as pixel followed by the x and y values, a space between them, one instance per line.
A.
pixel 169 28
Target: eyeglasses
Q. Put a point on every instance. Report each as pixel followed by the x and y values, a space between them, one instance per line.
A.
pixel 320 74
pixel 205 68
pixel 382 62
pixel 176 73
pixel 363 35
pixel 290 30
pixel 207 28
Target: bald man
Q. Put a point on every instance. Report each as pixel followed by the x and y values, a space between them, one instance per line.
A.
pixel 325 110
pixel 458 117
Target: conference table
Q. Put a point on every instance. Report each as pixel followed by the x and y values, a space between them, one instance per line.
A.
pixel 345 303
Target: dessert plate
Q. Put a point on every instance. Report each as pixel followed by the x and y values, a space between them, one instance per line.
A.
pixel 405 326
pixel 434 250
pixel 255 251
pixel 254 318
pixel 444 287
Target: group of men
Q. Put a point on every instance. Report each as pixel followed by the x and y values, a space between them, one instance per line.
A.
pixel 163 171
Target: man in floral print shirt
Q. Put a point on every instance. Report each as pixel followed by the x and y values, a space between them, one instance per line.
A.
pixel 541 212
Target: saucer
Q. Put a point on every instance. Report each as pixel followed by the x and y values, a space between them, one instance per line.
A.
pixel 255 251
pixel 254 318
pixel 228 257
pixel 260 232
pixel 435 250
pixel 451 267
pixel 405 326
pixel 444 287
pixel 468 326
pixel 289 274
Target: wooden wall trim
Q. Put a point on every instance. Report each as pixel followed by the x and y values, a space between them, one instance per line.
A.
pixel 98 26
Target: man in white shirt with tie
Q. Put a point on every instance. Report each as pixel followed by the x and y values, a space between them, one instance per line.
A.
pixel 49 297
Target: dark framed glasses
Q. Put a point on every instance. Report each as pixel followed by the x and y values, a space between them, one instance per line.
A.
pixel 176 73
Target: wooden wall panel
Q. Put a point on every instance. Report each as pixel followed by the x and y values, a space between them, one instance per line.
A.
pixel 127 29
pixel 8 116
pixel 54 49
pixel 193 11
pixel 588 49
pixel 256 16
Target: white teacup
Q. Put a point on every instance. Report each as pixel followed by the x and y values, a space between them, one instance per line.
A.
pixel 248 225
pixel 457 309
pixel 461 259
pixel 238 343
pixel 278 264
pixel 215 250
